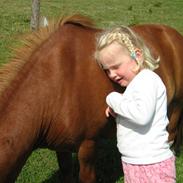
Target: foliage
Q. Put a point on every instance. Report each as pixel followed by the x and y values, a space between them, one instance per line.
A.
pixel 15 21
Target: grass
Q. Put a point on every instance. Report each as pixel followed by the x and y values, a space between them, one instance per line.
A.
pixel 15 21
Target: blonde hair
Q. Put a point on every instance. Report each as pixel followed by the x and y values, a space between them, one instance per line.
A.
pixel 126 37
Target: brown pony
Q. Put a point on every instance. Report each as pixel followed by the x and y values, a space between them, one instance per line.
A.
pixel 53 95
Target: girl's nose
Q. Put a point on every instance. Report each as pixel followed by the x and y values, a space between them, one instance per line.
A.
pixel 112 74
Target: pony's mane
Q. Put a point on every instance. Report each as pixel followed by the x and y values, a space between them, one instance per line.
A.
pixel 31 42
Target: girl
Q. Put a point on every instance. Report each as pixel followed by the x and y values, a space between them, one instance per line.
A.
pixel 141 111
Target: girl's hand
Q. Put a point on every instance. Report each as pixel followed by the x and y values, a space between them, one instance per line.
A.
pixel 109 112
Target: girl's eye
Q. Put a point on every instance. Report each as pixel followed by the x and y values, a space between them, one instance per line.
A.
pixel 115 67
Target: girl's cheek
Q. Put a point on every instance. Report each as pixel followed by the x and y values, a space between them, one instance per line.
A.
pixel 120 72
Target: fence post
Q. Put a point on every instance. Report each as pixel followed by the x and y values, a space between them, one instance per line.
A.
pixel 35 15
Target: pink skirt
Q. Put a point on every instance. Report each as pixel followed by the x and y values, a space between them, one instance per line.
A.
pixel 163 172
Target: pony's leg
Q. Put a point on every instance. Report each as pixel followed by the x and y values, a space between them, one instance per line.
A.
pixel 179 137
pixel 86 157
pixel 173 127
pixel 65 165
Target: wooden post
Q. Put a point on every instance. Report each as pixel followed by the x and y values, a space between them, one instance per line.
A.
pixel 35 14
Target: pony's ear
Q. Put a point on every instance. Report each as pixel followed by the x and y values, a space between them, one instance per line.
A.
pixel 43 22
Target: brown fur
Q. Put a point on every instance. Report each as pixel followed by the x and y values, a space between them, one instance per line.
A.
pixel 53 95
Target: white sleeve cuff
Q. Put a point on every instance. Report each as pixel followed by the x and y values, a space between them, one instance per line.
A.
pixel 113 98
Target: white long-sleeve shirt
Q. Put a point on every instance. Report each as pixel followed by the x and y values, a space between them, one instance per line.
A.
pixel 142 119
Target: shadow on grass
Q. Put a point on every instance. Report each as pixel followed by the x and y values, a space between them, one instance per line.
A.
pixel 108 165
pixel 53 179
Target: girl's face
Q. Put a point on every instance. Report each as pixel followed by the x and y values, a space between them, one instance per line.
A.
pixel 118 64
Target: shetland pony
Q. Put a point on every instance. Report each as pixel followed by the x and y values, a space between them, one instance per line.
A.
pixel 52 94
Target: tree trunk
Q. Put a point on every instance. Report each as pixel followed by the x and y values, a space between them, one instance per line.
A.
pixel 35 14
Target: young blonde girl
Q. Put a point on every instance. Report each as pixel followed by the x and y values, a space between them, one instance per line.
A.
pixel 141 111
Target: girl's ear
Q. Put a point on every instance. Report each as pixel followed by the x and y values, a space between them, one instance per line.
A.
pixel 138 53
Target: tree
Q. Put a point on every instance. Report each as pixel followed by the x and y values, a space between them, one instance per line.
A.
pixel 35 14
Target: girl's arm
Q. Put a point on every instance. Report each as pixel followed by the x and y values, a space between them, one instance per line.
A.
pixel 140 106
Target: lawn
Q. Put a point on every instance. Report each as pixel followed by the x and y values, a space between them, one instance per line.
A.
pixel 15 21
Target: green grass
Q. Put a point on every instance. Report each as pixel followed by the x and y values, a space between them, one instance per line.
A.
pixel 15 21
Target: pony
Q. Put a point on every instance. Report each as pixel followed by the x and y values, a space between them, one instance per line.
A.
pixel 52 95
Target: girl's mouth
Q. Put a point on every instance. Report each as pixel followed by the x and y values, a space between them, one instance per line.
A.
pixel 118 80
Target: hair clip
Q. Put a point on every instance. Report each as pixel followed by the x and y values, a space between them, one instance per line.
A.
pixel 133 55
